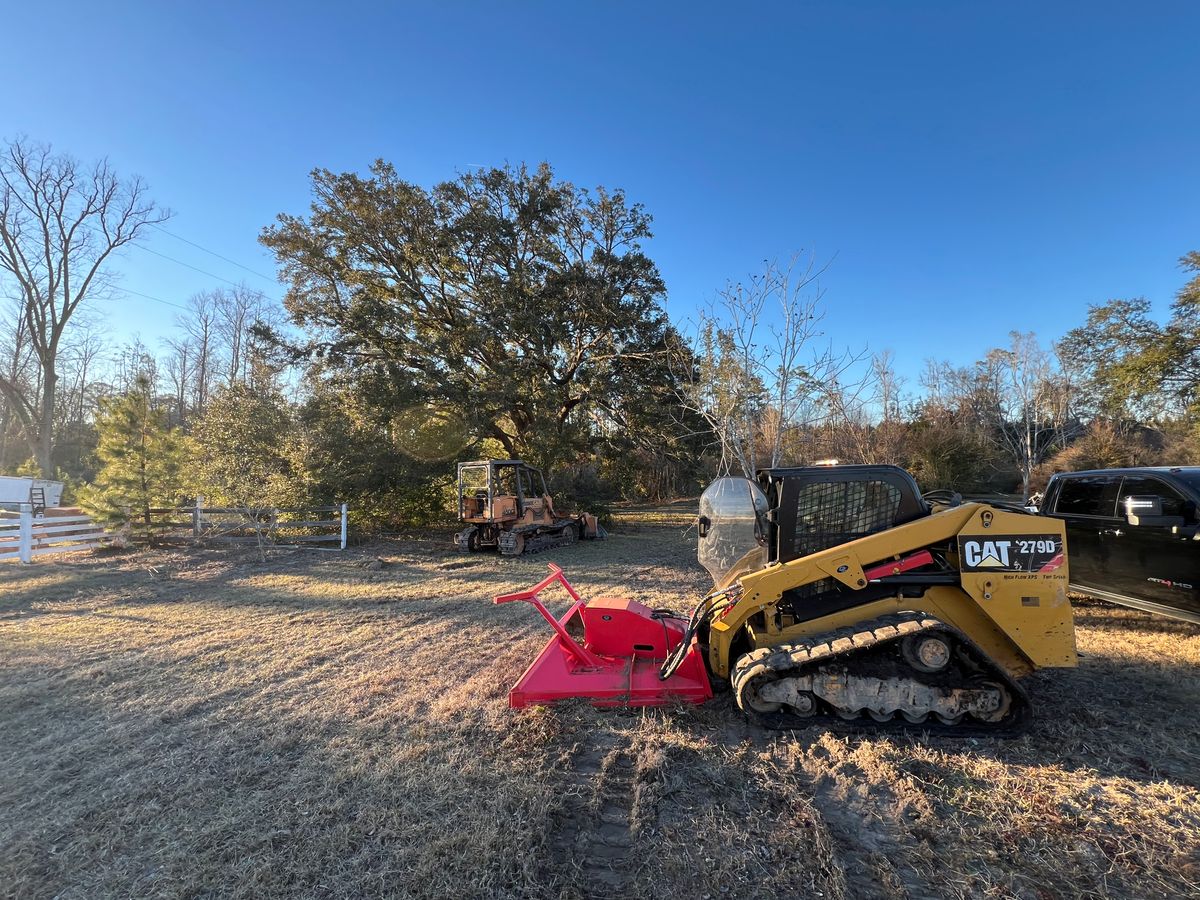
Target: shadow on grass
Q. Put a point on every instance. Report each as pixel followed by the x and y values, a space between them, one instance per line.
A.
pixel 1116 716
pixel 1132 722
pixel 182 766
pixel 172 792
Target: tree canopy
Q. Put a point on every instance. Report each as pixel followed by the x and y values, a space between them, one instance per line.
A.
pixel 1136 365
pixel 522 304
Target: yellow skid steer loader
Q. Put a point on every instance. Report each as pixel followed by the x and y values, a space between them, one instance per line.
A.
pixel 840 594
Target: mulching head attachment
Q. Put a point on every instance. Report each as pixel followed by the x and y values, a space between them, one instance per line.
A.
pixel 608 651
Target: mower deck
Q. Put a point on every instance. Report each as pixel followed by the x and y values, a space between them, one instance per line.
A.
pixel 617 661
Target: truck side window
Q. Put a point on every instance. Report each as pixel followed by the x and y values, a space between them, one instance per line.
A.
pixel 1173 503
pixel 1092 495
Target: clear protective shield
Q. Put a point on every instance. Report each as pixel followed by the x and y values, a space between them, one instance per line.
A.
pixel 733 532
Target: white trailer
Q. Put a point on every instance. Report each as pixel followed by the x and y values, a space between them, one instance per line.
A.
pixel 20 489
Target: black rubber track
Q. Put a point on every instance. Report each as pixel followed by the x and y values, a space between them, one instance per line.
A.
pixel 865 641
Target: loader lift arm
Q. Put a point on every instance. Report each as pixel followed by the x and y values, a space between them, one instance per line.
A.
pixel 1019 618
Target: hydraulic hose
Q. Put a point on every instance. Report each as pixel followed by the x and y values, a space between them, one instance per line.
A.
pixel 704 611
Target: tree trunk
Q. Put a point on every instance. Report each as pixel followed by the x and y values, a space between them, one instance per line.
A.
pixel 45 438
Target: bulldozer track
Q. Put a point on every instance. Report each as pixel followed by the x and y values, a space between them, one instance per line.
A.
pixel 596 837
pixel 530 541
pixel 848 645
pixel 543 543
pixel 539 543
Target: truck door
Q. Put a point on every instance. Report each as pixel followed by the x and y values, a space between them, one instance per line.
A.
pixel 1087 504
pixel 1157 563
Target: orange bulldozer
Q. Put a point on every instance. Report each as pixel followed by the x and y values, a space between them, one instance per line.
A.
pixel 504 504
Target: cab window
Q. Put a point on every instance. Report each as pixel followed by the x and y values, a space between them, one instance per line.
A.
pixel 506 481
pixel 1173 503
pixel 1093 495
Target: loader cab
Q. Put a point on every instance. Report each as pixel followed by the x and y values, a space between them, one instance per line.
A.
pixel 792 512
pixel 499 490
pixel 816 507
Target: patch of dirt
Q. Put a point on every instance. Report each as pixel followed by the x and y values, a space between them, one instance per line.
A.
pixel 595 837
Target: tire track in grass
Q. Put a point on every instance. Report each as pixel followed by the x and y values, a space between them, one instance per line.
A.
pixel 596 837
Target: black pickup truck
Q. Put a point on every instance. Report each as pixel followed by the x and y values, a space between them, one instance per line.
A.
pixel 1133 536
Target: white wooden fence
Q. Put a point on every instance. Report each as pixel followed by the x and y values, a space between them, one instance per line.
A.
pixel 23 537
pixel 280 527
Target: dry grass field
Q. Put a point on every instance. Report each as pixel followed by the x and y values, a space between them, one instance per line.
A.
pixel 195 723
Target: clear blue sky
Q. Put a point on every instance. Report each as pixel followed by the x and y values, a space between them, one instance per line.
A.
pixel 974 167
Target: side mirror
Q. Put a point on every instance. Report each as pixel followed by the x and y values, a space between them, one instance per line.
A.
pixel 702 524
pixel 1146 510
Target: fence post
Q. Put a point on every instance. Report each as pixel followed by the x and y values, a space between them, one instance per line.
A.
pixel 343 526
pixel 196 517
pixel 25 535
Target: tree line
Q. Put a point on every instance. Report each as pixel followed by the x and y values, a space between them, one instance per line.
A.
pixel 506 312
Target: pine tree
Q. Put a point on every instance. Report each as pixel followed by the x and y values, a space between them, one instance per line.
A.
pixel 241 443
pixel 141 459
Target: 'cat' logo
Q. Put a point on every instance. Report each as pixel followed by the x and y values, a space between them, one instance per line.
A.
pixel 986 554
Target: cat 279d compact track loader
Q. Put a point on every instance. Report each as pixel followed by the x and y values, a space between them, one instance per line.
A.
pixel 840 594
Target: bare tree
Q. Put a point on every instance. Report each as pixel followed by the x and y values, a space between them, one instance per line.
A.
pixel 865 424
pixel 845 433
pixel 200 325
pixel 59 224
pixel 236 310
pixel 888 386
pixel 179 368
pixel 215 345
pixel 1027 402
pixel 80 359
pixel 135 368
pixel 18 368
pixel 753 371
pixel 935 381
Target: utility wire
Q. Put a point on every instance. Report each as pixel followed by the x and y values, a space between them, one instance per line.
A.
pixel 180 262
pixel 189 266
pixel 215 253
pixel 155 299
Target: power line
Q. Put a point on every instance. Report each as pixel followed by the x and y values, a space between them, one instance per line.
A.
pixel 155 299
pixel 214 253
pixel 180 262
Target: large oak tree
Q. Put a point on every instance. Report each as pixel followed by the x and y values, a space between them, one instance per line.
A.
pixel 521 303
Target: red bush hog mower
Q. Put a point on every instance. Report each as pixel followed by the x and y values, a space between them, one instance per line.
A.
pixel 839 594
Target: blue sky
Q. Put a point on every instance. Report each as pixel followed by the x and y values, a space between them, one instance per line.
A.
pixel 973 168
